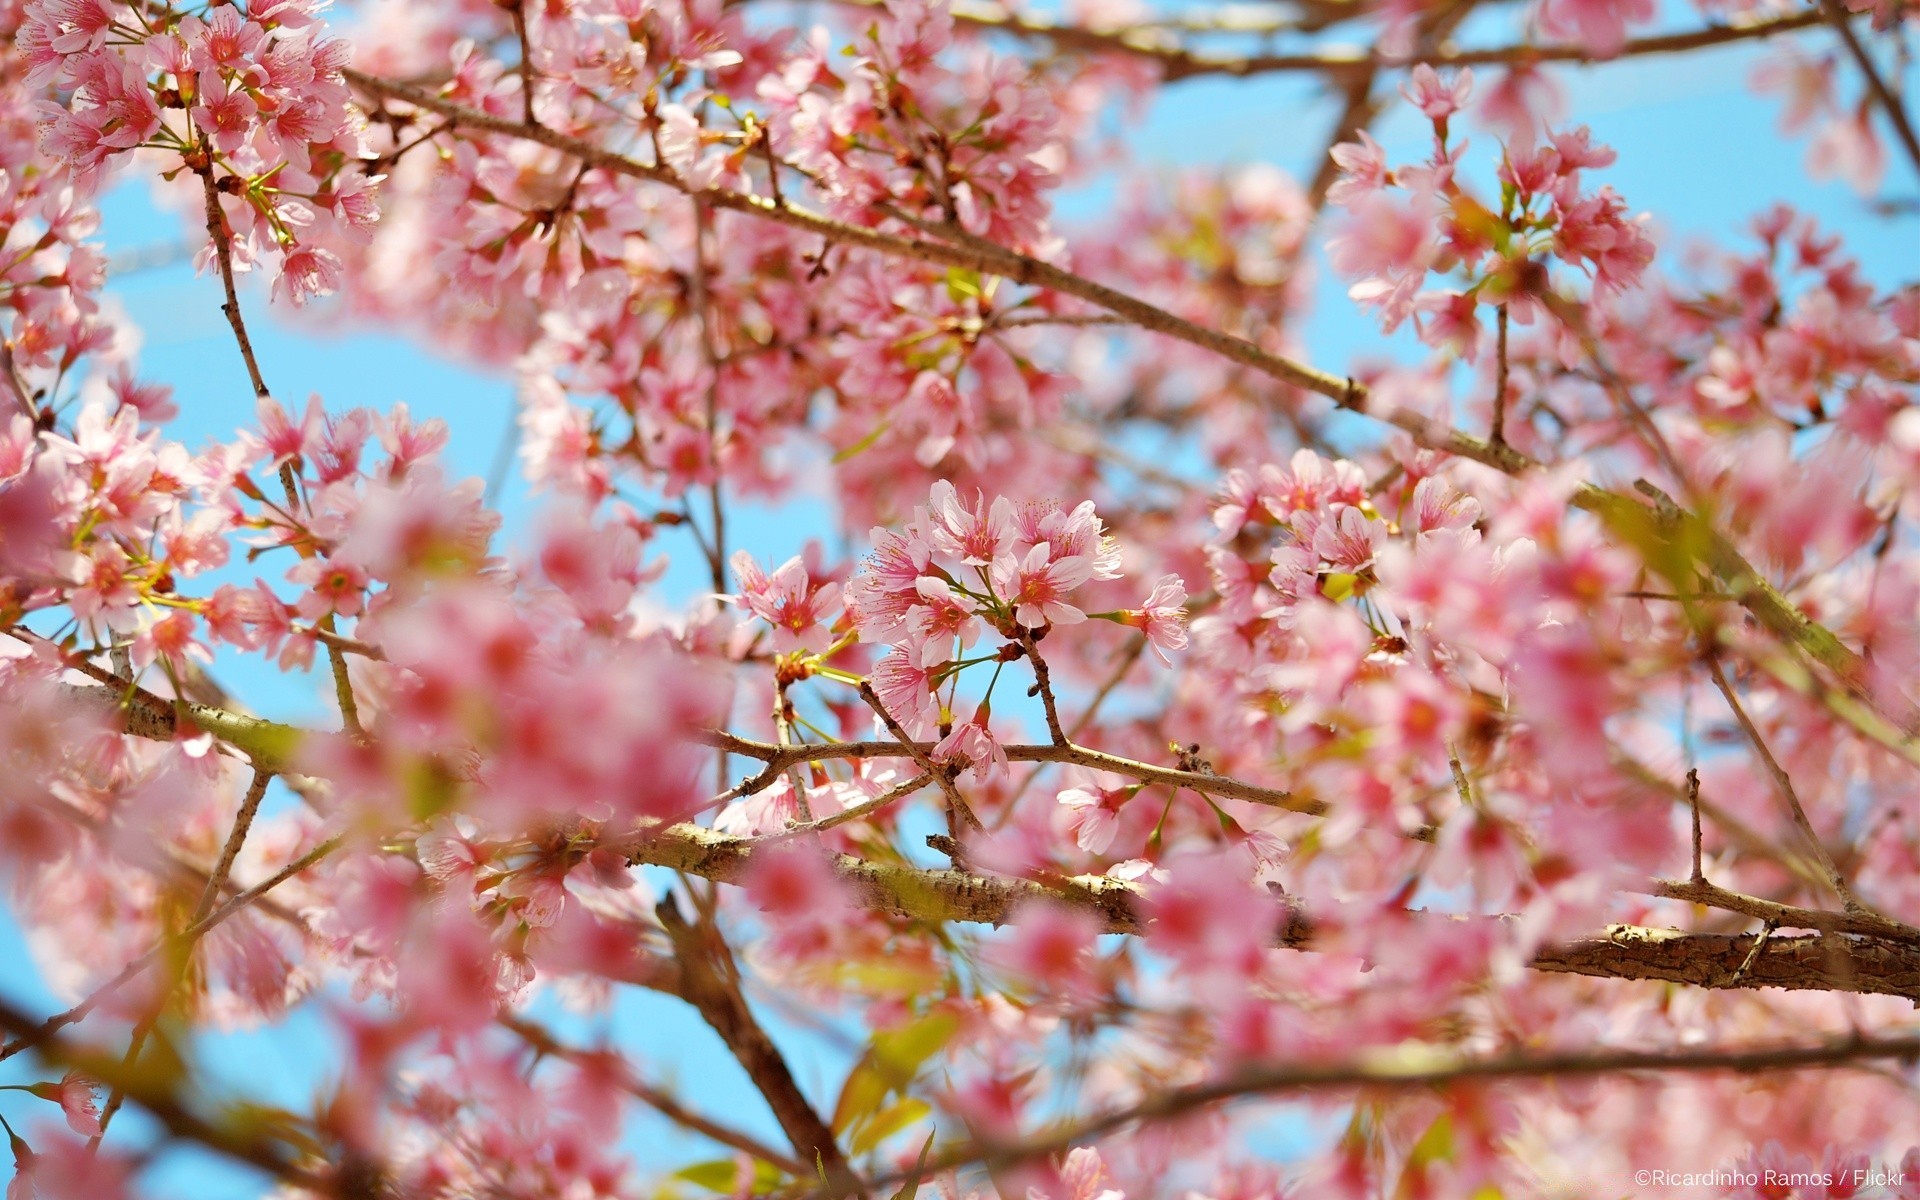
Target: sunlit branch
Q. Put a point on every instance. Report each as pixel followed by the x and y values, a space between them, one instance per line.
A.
pixel 779 758
pixel 1408 1069
pixel 1841 962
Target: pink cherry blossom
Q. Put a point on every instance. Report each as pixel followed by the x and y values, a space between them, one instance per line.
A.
pixel 1037 585
pixel 789 600
pixel 1474 627
pixel 1438 97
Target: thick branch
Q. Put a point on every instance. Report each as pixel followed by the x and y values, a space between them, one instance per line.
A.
pixel 1840 962
pixel 269 745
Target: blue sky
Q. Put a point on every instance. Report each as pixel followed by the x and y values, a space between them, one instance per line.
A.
pixel 1696 148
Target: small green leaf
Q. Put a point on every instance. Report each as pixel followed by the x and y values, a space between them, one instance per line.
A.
pixel 898 1053
pixel 862 1093
pixel 865 443
pixel 911 1188
pixel 962 284
pixel 1339 586
pixel 889 1121
pixel 723 1175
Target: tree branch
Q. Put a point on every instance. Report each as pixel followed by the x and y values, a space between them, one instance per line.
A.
pixel 779 758
pixel 1405 1069
pixel 1835 961
pixel 1836 14
pixel 660 1101
pixel 707 981
pixel 166 1106
pixel 1177 62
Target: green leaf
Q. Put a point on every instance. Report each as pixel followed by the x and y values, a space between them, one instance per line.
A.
pixel 889 1121
pixel 898 1052
pixel 890 1065
pixel 723 1175
pixel 865 443
pixel 962 284
pixel 862 1093
pixel 911 1188
pixel 1339 586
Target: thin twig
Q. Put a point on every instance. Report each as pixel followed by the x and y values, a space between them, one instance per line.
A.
pixel 242 1141
pixel 658 1099
pixel 1693 802
pixel 1498 434
pixel 519 10
pixel 1782 782
pixel 1753 955
pixel 1838 16
pixel 216 879
pixel 956 803
pixel 1043 683
pixel 857 812
pixel 190 934
pixel 778 758
pixel 1154 43
pixel 1401 1069
pixel 221 237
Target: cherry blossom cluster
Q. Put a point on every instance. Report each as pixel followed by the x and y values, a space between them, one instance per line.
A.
pixel 1406 222
pixel 958 570
pixel 251 100
pixel 972 145
pixel 97 518
pixel 1451 641
pixel 1416 785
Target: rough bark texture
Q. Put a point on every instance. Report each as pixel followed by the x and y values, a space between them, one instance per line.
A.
pixel 1832 962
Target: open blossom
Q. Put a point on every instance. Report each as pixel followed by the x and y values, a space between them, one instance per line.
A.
pixel 1163 617
pixel 1082 1175
pixel 789 600
pixel 78 1101
pixel 1095 819
pixel 907 690
pixel 1053 948
pixel 1038 586
pixel 1437 97
pixel 972 747
pixel 976 534
pixel 1363 169
pixel 1388 243
pixel 1600 25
